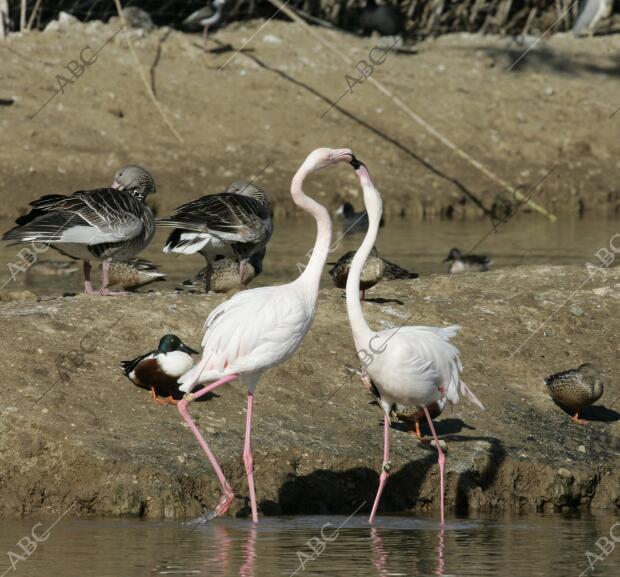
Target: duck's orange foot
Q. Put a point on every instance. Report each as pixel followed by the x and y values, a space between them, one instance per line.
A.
pixel 158 400
pixel 577 420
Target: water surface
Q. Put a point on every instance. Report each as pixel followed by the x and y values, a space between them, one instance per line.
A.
pixel 417 246
pixel 518 546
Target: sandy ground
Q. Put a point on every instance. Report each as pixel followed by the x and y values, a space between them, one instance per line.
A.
pixel 74 431
pixel 259 112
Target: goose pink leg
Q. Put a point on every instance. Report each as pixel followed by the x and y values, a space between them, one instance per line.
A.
pixel 104 291
pixel 228 495
pixel 247 456
pixel 442 460
pixel 88 287
pixel 385 472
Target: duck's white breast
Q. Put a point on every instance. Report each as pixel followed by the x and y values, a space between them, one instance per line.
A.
pixel 175 363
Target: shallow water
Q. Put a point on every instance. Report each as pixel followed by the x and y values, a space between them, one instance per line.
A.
pixel 525 546
pixel 417 246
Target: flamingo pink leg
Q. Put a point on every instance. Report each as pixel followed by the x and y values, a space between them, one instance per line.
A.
pixel 247 456
pixel 442 460
pixel 228 495
pixel 385 469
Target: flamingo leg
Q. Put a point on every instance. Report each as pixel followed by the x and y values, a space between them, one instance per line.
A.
pixel 228 495
pixel 385 469
pixel 247 456
pixel 442 460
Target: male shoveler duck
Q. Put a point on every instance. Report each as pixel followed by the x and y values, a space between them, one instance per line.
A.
pixel 133 274
pixel 157 371
pixel 352 221
pixel 576 388
pixel 104 224
pixel 403 413
pixel 413 417
pixel 375 269
pixel 223 276
pixel 467 262
pixel 236 224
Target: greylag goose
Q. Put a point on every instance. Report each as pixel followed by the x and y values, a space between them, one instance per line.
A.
pixel 375 269
pixel 576 388
pixel 103 224
pixel 223 276
pixel 467 262
pixel 236 223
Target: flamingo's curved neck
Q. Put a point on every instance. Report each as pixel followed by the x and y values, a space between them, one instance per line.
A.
pixel 361 331
pixel 311 275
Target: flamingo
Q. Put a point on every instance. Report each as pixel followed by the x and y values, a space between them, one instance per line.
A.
pixel 260 328
pixel 410 365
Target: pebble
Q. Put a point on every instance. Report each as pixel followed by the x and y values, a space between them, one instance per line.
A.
pixel 565 473
pixel 576 310
pixel 581 448
pixel 442 444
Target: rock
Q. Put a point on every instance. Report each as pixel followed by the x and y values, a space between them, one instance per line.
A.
pixel 581 448
pixel 576 310
pixel 565 473
pixel 64 22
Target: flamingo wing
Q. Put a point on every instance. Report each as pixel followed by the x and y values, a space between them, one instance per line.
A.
pixel 250 333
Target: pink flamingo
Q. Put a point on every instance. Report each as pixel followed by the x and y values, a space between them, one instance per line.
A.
pixel 408 365
pixel 258 329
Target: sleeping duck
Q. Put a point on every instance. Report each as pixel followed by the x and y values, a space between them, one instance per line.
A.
pixel 157 371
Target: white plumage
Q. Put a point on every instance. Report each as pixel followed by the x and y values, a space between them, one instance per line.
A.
pixel 258 329
pixel 251 332
pixel 409 365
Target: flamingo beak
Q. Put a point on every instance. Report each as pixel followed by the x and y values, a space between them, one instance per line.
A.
pixel 342 154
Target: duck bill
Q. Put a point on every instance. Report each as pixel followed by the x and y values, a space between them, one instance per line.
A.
pixel 117 185
pixel 187 349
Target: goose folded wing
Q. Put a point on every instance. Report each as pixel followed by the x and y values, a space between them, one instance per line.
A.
pixel 85 217
pixel 229 216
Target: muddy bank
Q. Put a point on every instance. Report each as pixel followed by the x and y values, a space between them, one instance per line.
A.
pixel 75 431
pixel 548 121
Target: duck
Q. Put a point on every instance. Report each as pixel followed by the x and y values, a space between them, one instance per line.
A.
pixel 385 19
pixel 375 269
pixel 157 371
pixel 105 224
pixel 467 262
pixel 413 416
pixel 576 388
pixel 236 223
pixel 352 221
pixel 409 415
pixel 134 274
pixel 223 276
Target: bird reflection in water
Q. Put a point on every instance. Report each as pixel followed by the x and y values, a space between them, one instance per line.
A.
pixel 249 555
pixel 380 556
